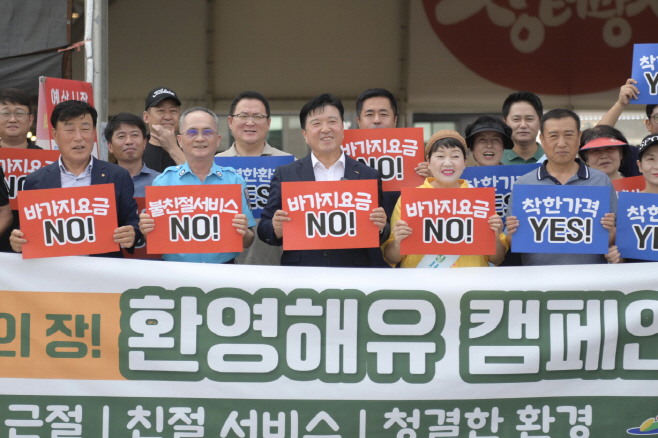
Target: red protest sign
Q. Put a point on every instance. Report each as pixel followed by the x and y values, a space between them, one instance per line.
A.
pixel 395 152
pixel 194 219
pixel 71 221
pixel 53 91
pixel 329 214
pixel 18 163
pixel 630 184
pixel 140 247
pixel 448 221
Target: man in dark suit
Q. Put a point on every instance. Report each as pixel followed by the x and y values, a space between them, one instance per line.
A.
pixel 74 130
pixel 322 125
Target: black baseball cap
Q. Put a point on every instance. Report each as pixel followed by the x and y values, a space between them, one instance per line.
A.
pixel 648 141
pixel 488 123
pixel 159 94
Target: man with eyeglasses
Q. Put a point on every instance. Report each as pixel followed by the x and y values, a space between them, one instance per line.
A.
pixel 199 141
pixel 15 119
pixel 249 121
pixel 15 122
pixel 162 114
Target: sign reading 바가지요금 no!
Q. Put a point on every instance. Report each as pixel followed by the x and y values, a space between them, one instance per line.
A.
pixel 329 214
pixel 69 221
pixel 18 163
pixel 394 152
pixel 448 221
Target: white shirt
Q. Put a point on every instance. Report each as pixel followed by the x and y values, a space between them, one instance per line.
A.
pixel 70 180
pixel 334 173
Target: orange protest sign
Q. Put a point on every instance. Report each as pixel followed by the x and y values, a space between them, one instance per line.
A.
pixel 194 219
pixel 630 184
pixel 140 247
pixel 329 214
pixel 71 221
pixel 395 152
pixel 448 221
pixel 18 163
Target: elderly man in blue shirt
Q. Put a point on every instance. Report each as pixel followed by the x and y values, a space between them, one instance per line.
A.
pixel 199 141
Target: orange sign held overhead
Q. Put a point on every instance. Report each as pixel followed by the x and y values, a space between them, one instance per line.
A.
pixel 18 163
pixel 71 221
pixel 194 219
pixel 394 152
pixel 329 214
pixel 448 221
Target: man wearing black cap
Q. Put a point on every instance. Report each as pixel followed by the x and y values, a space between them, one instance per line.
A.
pixel 161 114
pixel 487 138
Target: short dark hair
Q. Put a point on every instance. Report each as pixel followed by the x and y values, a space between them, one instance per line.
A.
pixel 446 143
pixel 318 103
pixel 16 97
pixel 376 92
pixel 523 96
pixel 123 119
pixel 249 95
pixel 650 109
pixel 559 113
pixel 604 131
pixel 65 111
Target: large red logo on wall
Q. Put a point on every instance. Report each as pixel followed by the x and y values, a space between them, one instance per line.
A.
pixel 546 46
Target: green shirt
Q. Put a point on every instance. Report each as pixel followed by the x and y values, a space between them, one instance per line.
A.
pixel 511 157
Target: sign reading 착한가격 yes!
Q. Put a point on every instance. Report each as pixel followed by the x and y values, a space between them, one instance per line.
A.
pixel 69 221
pixel 194 219
pixel 645 72
pixel 329 214
pixel 637 226
pixel 560 219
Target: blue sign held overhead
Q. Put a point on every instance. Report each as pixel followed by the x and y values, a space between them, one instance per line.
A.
pixel 560 219
pixel 501 178
pixel 637 226
pixel 645 72
pixel 257 172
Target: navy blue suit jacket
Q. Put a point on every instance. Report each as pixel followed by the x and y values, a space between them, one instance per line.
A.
pixel 102 172
pixel 302 170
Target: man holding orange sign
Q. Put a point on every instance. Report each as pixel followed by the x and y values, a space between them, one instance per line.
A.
pixel 322 125
pixel 74 130
pixel 199 141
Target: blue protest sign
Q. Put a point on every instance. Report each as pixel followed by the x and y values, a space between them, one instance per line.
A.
pixel 257 172
pixel 560 219
pixel 645 72
pixel 637 226
pixel 500 178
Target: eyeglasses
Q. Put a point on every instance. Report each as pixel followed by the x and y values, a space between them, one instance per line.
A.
pixel 206 133
pixel 19 115
pixel 244 118
pixel 654 118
